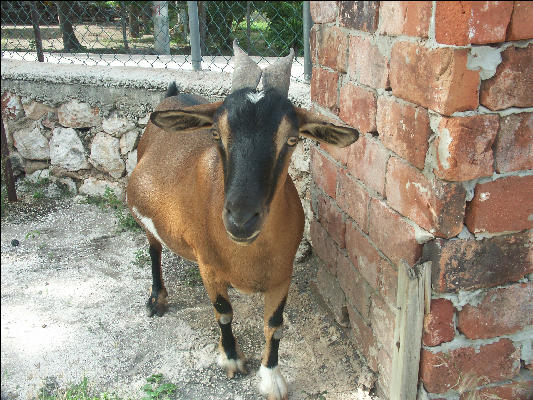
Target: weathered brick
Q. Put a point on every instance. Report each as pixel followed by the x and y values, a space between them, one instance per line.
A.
pixel 358 107
pixel 332 47
pixel 363 255
pixel 324 246
pixel 333 295
pixel 364 338
pixel 436 206
pixel 368 162
pixel 382 319
pixel 477 22
pixel 340 154
pixel 385 371
pixel 434 78
pixel 353 199
pixel 493 316
pixel 324 172
pixel 392 234
pixel 389 283
pixel 464 147
pixel 323 11
pixel 404 129
pixel 438 323
pixel 355 288
pixel 474 264
pixel 514 144
pixel 468 367
pixel 520 27
pixel 331 218
pixel 502 205
pixel 512 85
pixel 366 64
pixel 409 18
pixel 517 390
pixel 361 15
pixel 324 88
pixel 312 42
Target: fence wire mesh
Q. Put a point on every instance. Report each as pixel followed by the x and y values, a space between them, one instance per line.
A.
pixel 150 33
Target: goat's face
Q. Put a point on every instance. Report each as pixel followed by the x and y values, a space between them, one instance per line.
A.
pixel 255 133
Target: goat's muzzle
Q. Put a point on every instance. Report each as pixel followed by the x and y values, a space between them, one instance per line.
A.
pixel 243 224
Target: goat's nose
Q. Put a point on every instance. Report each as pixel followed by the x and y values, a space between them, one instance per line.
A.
pixel 242 217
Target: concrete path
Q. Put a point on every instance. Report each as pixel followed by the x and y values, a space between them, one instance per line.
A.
pixel 73 306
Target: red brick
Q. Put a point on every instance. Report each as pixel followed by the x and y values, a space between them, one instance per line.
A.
pixel 521 27
pixel 331 218
pixel 333 296
pixel 323 11
pixel 404 129
pixel 358 107
pixel 364 338
pixel 312 42
pixel 363 255
pixel 355 288
pixel 501 312
pixel 503 205
pixel 332 47
pixel 514 144
pixel 340 154
pixel 409 18
pixel 476 22
pixel 382 319
pixel 512 85
pixel 361 15
pixel 324 172
pixel 385 371
pixel 438 324
pixel 366 64
pixel 474 264
pixel 517 390
pixel 467 367
pixel 353 199
pixel 392 234
pixel 464 147
pixel 434 78
pixel 368 162
pixel 389 283
pixel 436 206
pixel 324 246
pixel 324 88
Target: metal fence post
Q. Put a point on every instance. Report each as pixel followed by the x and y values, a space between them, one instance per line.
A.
pixel 161 34
pixel 37 32
pixel 307 24
pixel 194 28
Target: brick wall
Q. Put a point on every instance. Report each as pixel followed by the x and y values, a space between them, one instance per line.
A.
pixel 442 93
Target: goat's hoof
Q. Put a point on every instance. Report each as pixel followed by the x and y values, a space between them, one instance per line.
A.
pixel 273 385
pixel 157 303
pixel 231 365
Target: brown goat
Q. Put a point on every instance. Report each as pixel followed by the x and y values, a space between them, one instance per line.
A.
pixel 212 185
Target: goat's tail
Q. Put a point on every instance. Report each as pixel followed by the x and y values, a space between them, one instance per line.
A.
pixel 172 90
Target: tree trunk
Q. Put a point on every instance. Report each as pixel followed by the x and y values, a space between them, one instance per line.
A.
pixel 70 41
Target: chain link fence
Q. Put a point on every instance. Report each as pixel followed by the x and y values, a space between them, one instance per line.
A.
pixel 160 34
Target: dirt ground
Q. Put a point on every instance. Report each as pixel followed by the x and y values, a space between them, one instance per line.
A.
pixel 73 306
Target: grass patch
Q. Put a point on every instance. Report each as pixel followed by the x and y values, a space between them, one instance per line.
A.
pixel 110 201
pixel 157 388
pixel 142 258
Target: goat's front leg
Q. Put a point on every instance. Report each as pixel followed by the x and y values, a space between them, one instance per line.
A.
pixel 230 356
pixel 273 384
pixel 157 302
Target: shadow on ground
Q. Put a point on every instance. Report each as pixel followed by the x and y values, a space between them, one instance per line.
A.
pixel 73 294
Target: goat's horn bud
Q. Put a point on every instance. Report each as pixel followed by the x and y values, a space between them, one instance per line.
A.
pixel 246 73
pixel 278 75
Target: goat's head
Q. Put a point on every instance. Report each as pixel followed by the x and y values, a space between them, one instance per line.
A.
pixel 255 132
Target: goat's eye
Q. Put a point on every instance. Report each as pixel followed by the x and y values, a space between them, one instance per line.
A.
pixel 292 140
pixel 216 134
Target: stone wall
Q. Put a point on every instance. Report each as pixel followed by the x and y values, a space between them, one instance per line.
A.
pixel 443 171
pixel 79 125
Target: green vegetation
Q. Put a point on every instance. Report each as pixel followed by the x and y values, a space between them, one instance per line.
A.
pixel 157 388
pixel 110 201
pixel 192 276
pixel 142 258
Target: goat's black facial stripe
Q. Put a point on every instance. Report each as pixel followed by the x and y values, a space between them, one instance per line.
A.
pixel 277 318
pixel 222 305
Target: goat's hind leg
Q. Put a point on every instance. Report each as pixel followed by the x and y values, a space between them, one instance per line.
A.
pixel 157 302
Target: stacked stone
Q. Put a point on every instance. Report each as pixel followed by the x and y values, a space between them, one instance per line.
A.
pixel 72 142
pixel 442 93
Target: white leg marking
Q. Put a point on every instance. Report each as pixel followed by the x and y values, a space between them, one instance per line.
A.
pixel 229 365
pixel 273 384
pixel 148 224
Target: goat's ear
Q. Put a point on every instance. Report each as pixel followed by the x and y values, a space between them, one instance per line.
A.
pixel 319 128
pixel 199 116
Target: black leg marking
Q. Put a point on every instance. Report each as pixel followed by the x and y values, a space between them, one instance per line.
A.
pixel 273 353
pixel 156 303
pixel 155 256
pixel 228 341
pixel 222 305
pixel 277 318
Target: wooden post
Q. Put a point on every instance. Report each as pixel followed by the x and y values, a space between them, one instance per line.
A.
pixel 414 290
